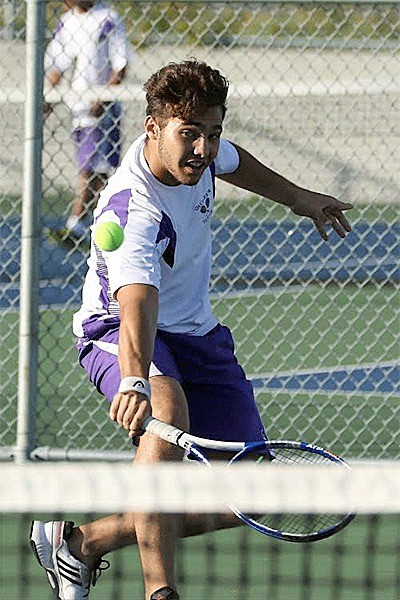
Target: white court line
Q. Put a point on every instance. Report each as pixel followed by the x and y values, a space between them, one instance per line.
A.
pixel 353 367
pixel 329 370
pixel 355 397
pixel 293 289
pixel 258 293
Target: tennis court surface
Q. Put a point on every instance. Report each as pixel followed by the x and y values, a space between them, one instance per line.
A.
pixel 281 253
pixel 315 327
pixel 266 252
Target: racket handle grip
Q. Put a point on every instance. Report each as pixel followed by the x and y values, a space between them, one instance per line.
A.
pixel 166 432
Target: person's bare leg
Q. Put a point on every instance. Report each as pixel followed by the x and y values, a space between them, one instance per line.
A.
pixel 157 533
pixel 89 187
pixel 91 541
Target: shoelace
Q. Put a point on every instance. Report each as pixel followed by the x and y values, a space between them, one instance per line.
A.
pixel 99 567
pixel 97 570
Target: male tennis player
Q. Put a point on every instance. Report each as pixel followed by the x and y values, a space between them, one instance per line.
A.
pixel 91 39
pixel 148 338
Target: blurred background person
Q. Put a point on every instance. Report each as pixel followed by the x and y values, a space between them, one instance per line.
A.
pixel 89 41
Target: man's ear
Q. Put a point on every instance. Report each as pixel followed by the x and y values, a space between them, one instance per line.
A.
pixel 151 127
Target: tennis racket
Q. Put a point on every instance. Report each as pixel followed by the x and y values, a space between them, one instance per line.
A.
pixel 288 527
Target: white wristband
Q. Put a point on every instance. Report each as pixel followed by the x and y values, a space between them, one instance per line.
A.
pixel 137 384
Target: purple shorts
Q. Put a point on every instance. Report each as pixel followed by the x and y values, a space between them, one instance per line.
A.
pixel 99 148
pixel 220 398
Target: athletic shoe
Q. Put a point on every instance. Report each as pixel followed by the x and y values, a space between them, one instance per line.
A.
pixel 165 593
pixel 67 238
pixel 69 578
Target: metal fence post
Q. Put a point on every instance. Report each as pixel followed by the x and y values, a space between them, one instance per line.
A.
pixel 30 237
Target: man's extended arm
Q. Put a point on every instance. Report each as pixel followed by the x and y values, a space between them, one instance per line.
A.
pixel 255 177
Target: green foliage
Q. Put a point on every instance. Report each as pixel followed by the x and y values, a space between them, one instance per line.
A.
pixel 213 23
pixel 216 23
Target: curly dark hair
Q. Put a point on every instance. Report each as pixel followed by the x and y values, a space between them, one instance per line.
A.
pixel 184 89
pixel 85 4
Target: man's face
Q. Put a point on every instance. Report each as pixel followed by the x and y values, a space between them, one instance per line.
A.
pixel 180 151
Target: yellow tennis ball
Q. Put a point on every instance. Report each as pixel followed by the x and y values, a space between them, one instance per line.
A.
pixel 109 236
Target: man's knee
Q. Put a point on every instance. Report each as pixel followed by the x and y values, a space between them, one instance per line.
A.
pixel 168 401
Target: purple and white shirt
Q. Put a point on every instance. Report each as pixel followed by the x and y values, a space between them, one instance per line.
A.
pixel 94 43
pixel 167 244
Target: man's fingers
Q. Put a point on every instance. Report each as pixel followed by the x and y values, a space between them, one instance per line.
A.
pixel 332 216
pixel 135 425
pixel 340 229
pixel 114 407
pixel 343 221
pixel 332 221
pixel 129 410
pixel 119 406
pixel 344 205
pixel 321 228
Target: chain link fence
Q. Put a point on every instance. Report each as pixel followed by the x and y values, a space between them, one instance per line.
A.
pixel 315 95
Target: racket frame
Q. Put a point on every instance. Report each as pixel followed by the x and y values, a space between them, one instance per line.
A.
pixel 194 447
pixel 286 536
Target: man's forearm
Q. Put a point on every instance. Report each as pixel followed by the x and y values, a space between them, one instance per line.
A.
pixel 324 210
pixel 259 179
pixel 138 314
pixel 135 350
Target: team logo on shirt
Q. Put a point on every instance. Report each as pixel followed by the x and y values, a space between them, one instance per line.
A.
pixel 204 206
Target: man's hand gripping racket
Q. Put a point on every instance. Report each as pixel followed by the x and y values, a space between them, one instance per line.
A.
pixel 289 527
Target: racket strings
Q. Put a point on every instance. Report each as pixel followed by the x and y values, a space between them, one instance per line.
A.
pixel 291 456
pixel 298 524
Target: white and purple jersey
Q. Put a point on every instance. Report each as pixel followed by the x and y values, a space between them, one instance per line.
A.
pixel 94 43
pixel 167 244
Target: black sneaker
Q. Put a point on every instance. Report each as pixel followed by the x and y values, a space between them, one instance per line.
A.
pixel 67 238
pixel 165 593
